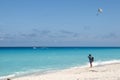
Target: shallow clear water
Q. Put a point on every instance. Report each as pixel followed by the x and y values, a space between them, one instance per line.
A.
pixel 26 59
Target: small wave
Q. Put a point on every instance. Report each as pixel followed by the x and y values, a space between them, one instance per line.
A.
pixel 29 72
pixel 21 73
pixel 8 76
pixel 100 63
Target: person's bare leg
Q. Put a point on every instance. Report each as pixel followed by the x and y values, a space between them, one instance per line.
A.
pixel 91 65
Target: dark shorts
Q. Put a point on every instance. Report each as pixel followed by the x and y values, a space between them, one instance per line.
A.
pixel 90 61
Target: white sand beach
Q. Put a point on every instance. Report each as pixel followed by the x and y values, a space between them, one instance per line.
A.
pixel 104 72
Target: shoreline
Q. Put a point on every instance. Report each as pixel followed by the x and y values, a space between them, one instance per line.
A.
pixel 102 72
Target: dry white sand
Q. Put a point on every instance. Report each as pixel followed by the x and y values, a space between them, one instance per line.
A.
pixel 104 72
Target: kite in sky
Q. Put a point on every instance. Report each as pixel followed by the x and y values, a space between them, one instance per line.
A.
pixel 99 11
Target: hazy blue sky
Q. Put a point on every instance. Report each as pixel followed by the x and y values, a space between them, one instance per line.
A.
pixel 59 23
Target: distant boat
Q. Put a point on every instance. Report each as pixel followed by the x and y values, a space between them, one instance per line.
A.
pixel 34 47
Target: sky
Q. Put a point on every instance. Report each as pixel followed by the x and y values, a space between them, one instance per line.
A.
pixel 59 23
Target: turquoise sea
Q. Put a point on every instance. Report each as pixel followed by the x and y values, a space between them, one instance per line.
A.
pixel 24 60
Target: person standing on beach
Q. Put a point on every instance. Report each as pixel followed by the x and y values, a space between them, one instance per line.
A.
pixel 91 59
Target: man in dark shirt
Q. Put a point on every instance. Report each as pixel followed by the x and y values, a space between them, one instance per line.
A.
pixel 91 59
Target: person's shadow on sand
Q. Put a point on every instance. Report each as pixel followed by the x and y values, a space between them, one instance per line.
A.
pixel 8 79
pixel 93 71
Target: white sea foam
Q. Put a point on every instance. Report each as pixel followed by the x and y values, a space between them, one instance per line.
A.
pixel 8 76
pixel 98 63
pixel 23 73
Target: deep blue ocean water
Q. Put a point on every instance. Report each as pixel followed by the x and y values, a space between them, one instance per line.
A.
pixel 20 60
